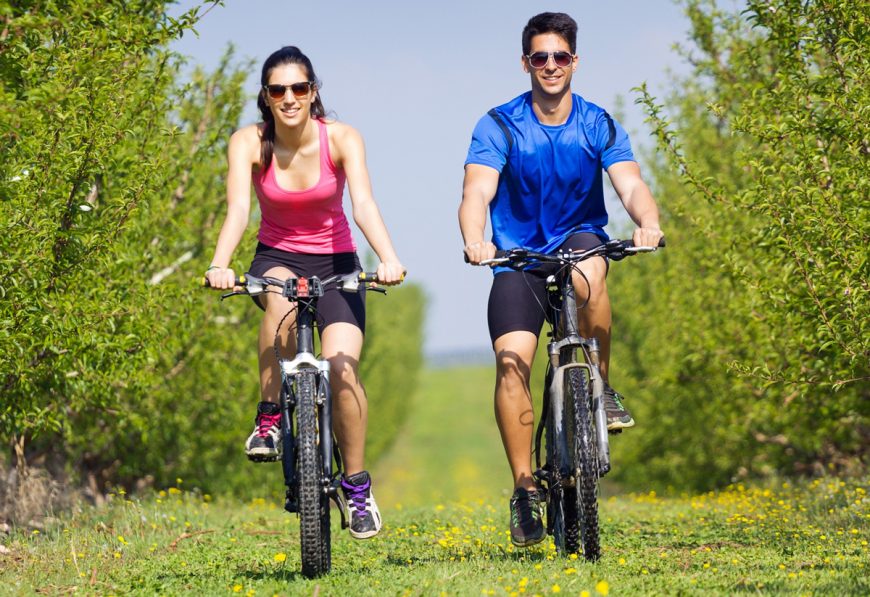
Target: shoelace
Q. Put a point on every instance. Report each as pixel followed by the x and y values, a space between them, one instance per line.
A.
pixel 523 505
pixel 356 497
pixel 266 422
pixel 614 398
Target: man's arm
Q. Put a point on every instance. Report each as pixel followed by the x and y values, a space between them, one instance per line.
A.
pixel 638 202
pixel 478 189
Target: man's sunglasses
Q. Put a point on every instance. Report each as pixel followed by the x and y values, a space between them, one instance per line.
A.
pixel 299 90
pixel 540 59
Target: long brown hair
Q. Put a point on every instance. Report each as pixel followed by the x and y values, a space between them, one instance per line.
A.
pixel 286 55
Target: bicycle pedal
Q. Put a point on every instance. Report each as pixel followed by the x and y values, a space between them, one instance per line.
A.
pixel 261 458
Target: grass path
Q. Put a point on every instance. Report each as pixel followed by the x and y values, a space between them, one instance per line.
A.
pixel 451 450
pixel 443 490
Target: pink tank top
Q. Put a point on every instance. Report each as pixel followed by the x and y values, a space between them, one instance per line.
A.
pixel 309 221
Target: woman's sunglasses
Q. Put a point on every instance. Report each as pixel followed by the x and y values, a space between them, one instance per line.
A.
pixel 299 90
pixel 540 59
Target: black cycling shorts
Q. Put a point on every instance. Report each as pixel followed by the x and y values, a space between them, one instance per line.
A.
pixel 518 299
pixel 334 306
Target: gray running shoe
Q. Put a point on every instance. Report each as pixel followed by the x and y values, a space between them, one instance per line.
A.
pixel 527 514
pixel 618 416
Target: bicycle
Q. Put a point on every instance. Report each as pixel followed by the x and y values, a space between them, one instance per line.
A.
pixel 308 447
pixel 573 425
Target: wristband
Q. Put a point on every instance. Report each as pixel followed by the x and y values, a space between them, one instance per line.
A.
pixel 211 267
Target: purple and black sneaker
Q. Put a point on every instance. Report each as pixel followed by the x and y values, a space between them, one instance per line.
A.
pixel 360 506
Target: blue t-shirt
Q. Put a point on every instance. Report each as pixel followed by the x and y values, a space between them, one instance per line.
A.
pixel 550 185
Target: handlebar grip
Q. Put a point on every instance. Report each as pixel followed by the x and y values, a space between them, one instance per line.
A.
pixel 630 243
pixel 498 255
pixel 373 277
pixel 240 281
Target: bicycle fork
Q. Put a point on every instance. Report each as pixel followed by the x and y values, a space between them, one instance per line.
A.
pixel 598 412
pixel 557 396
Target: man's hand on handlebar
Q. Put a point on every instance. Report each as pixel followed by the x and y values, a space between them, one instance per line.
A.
pixel 479 251
pixel 647 237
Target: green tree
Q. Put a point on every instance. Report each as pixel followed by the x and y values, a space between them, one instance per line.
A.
pixel 747 339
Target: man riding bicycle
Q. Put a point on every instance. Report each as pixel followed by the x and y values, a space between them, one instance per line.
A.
pixel 536 162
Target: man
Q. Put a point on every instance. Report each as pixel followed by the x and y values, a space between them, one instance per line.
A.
pixel 536 162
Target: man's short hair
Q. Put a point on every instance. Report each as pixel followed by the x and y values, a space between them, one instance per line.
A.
pixel 550 22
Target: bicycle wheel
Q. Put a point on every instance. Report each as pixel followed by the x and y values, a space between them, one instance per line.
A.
pixel 585 463
pixel 313 500
pixel 561 497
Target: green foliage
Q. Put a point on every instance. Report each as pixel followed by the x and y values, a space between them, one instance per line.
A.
pixel 391 362
pixel 747 340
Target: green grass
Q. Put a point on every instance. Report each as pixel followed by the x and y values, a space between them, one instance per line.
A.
pixel 443 494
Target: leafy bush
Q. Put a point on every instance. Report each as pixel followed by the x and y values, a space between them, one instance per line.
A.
pixel 746 340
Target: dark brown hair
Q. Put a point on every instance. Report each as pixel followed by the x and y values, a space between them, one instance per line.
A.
pixel 550 22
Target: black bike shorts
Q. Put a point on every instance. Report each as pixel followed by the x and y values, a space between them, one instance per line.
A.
pixel 518 299
pixel 335 305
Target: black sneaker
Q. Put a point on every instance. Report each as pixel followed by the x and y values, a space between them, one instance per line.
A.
pixel 618 416
pixel 527 526
pixel 360 507
pixel 264 444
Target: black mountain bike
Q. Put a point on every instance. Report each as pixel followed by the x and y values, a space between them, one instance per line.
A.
pixel 309 448
pixel 573 425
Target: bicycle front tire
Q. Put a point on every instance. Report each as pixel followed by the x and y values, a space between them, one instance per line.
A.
pixel 313 501
pixel 585 463
pixel 561 496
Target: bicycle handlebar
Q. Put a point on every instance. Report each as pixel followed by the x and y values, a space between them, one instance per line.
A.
pixel 293 288
pixel 614 249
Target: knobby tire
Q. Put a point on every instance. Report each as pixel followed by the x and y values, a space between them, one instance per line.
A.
pixel 313 500
pixel 585 463
pixel 562 506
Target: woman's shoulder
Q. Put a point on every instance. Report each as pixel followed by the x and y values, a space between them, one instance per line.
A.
pixel 247 134
pixel 246 140
pixel 341 133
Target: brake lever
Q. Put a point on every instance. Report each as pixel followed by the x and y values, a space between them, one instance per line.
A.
pixel 233 293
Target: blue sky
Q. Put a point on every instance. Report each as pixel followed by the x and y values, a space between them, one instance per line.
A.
pixel 414 78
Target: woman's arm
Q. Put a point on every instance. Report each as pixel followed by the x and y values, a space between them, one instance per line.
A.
pixel 241 154
pixel 351 158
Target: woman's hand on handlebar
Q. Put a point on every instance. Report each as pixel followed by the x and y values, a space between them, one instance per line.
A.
pixel 390 273
pixel 221 278
pixel 479 251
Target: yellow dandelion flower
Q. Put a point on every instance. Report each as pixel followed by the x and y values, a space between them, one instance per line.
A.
pixel 602 587
pixel 117 555
pixel 237 588
pixel 280 557
pixel 556 589
pixel 122 540
pixel 622 561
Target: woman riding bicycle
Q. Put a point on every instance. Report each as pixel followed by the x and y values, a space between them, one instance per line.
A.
pixel 298 162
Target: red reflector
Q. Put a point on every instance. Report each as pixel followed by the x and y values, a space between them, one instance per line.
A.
pixel 302 287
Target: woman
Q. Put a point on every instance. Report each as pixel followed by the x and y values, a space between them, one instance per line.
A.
pixel 298 162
